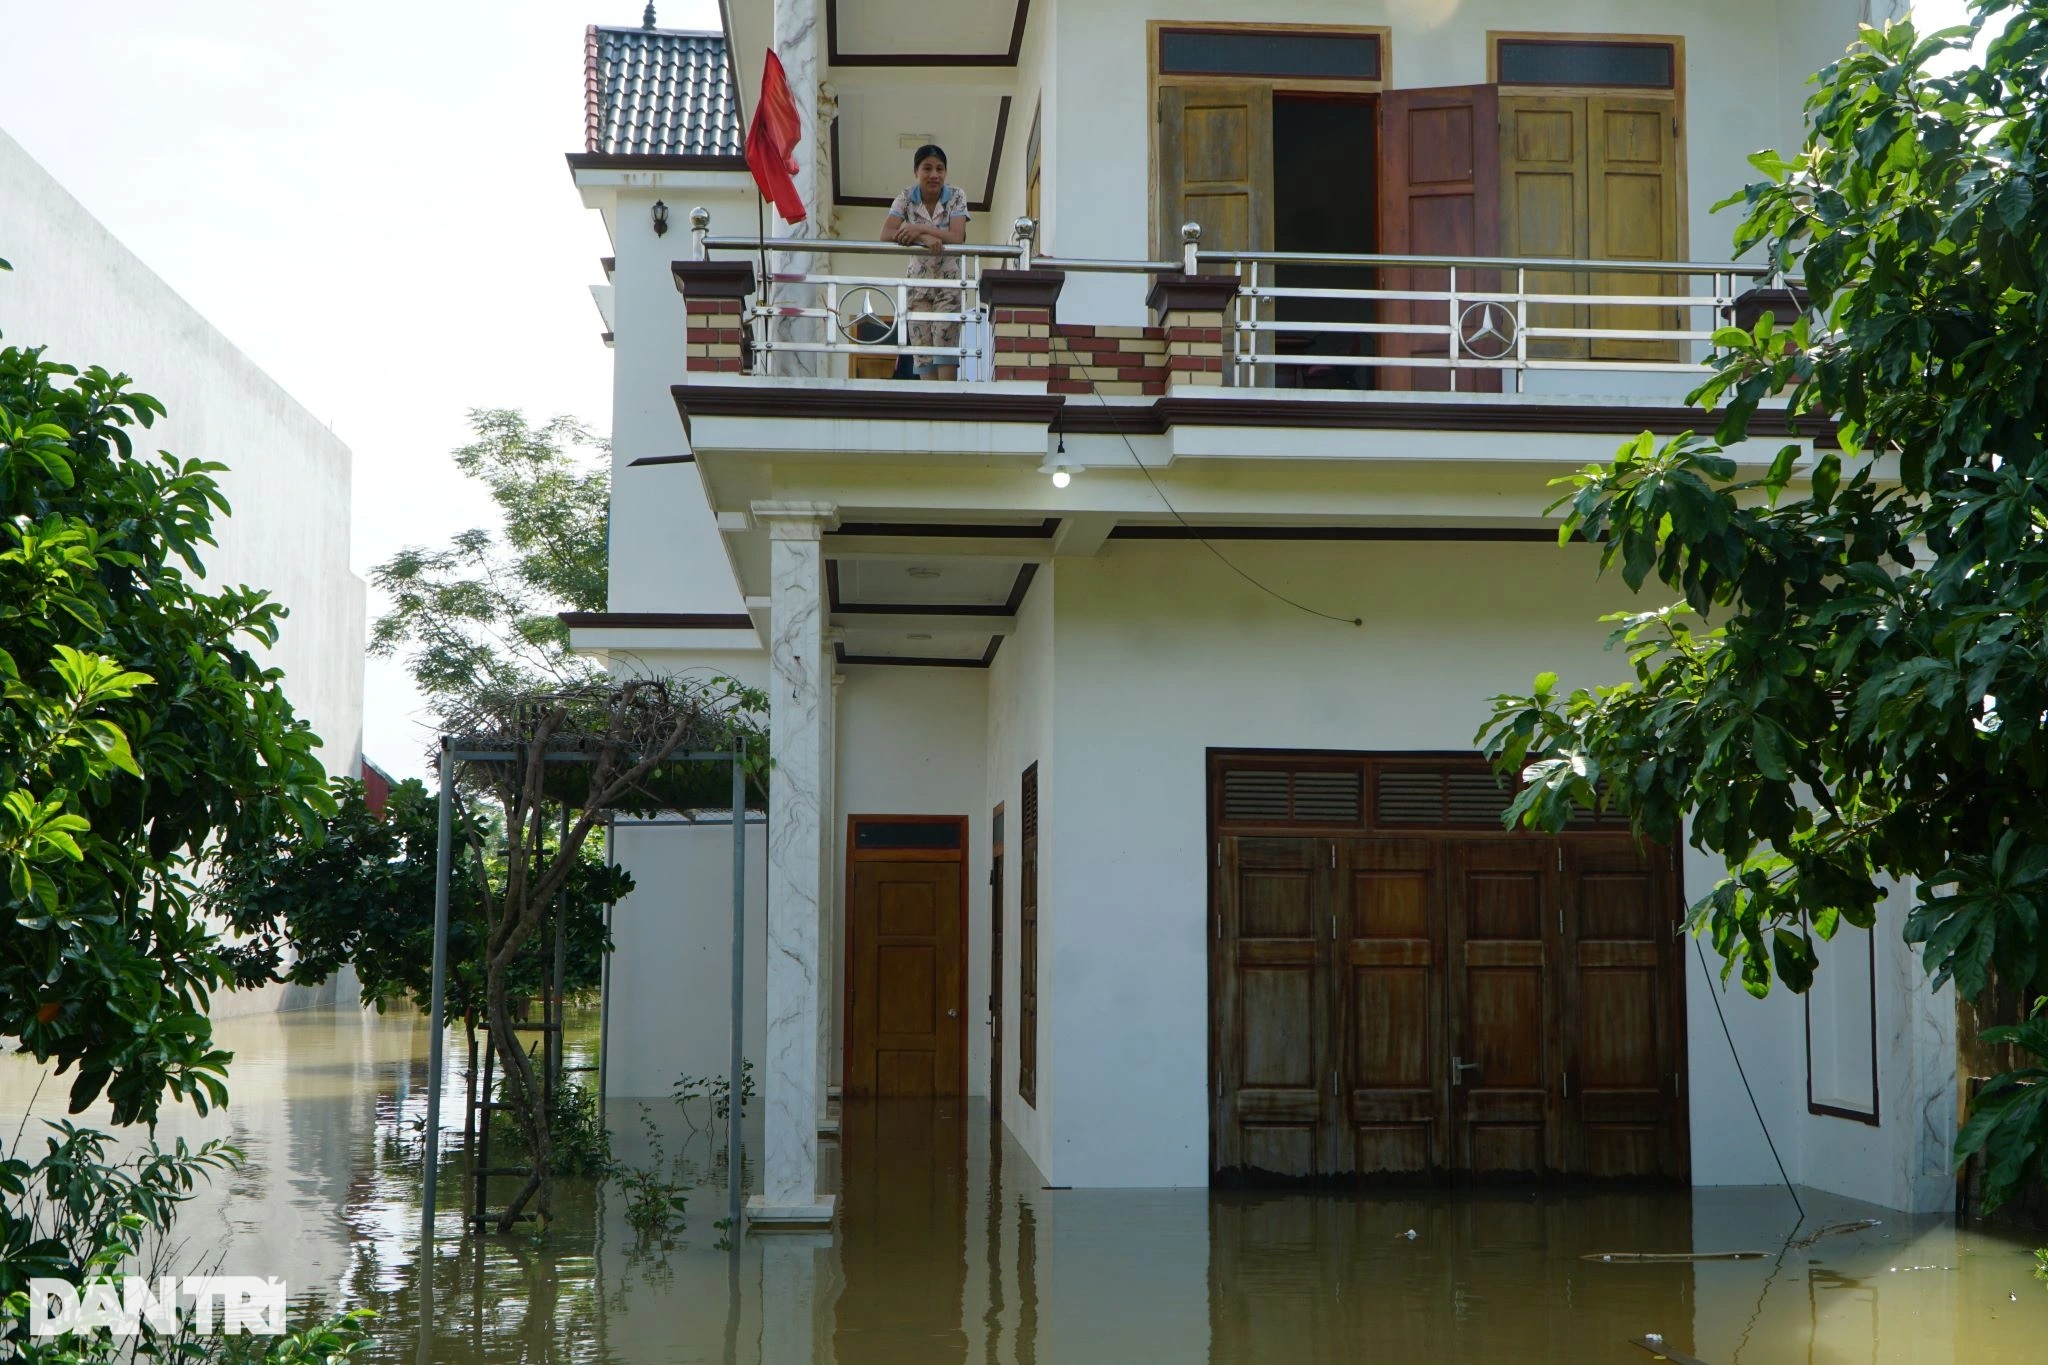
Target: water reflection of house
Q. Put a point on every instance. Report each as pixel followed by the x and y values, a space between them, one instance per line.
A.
pixel 1090 797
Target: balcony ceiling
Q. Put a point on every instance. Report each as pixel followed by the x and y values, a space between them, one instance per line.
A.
pixel 880 128
pixel 917 32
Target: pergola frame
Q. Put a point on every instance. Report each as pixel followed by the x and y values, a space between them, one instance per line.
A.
pixel 454 751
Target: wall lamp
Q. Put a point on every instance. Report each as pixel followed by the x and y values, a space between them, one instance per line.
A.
pixel 660 219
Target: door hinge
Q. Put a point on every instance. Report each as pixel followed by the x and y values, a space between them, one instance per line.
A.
pixel 1333 857
pixel 1560 857
pixel 1219 855
pixel 1219 924
pixel 1566 1076
pixel 1333 926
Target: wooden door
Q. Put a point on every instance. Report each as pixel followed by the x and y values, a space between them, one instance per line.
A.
pixel 1624 1115
pixel 1543 195
pixel 906 995
pixel 1271 1007
pixel 1593 177
pixel 1392 1059
pixel 1439 196
pixel 1632 182
pixel 1503 922
pixel 1216 167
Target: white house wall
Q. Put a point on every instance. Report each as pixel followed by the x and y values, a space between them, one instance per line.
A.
pixel 77 290
pixel 80 292
pixel 666 554
pixel 1020 733
pixel 670 982
pixel 911 742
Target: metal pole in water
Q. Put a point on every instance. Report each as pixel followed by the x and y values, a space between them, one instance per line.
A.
pixel 442 860
pixel 736 1085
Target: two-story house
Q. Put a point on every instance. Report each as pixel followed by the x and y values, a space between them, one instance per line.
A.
pixel 1124 689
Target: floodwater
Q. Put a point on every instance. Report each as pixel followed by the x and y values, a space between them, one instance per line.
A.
pixel 950 1249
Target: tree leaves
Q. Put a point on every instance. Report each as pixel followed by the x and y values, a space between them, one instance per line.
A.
pixel 136 730
pixel 1869 700
pixel 479 616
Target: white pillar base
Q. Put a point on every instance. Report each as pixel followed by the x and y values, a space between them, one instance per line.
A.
pixel 765 1217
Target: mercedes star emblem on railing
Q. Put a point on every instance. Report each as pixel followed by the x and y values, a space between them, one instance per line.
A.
pixel 1486 330
pixel 866 314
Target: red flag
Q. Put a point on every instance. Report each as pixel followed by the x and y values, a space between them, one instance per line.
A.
pixel 772 140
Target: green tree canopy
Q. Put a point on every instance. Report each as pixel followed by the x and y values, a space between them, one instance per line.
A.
pixel 478 617
pixel 362 895
pixel 1852 686
pixel 136 729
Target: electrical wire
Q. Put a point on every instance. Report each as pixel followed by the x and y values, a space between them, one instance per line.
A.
pixel 1715 995
pixel 1077 363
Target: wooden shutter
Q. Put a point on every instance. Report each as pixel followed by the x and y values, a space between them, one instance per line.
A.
pixel 1632 183
pixel 1593 177
pixel 1439 196
pixel 1027 942
pixel 1543 191
pixel 1390 1043
pixel 1623 1011
pixel 1216 166
pixel 1272 1008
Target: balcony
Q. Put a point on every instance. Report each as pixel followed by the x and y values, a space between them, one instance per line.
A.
pixel 1423 328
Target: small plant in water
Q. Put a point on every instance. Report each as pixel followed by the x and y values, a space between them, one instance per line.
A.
pixel 2041 1264
pixel 656 1201
pixel 718 1089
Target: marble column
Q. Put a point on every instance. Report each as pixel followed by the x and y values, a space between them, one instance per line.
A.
pixel 799 693
pixel 799 42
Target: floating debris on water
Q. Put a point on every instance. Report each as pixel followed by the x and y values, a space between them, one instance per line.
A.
pixel 1643 1257
pixel 1836 1229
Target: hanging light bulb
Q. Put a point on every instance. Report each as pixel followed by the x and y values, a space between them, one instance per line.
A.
pixel 1061 478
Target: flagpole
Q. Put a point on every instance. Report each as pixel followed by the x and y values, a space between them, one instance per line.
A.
pixel 764 362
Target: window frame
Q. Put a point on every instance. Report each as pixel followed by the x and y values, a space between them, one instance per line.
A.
pixel 1674 92
pixel 1380 35
pixel 1156 80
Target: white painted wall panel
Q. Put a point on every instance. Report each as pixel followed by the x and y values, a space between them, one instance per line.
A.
pixel 77 290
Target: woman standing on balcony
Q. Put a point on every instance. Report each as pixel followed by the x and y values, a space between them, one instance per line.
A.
pixel 931 214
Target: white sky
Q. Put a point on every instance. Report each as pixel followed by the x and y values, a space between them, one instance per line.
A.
pixel 368 198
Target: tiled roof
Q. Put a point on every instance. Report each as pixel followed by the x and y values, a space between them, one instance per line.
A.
pixel 658 92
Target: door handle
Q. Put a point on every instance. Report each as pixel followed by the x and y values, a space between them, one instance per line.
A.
pixel 952 1014
pixel 1459 1067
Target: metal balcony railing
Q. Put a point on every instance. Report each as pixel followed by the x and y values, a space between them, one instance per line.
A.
pixel 1299 319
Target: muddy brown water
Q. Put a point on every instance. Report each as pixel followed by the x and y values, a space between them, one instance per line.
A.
pixel 950 1249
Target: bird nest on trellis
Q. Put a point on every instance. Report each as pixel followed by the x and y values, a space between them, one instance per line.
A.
pixel 634 746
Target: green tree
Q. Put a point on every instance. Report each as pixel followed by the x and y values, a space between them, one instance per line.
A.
pixel 362 895
pixel 1853 684
pixel 136 728
pixel 478 616
pixel 136 731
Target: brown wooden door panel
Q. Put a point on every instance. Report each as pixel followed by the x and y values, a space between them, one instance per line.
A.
pixel 1216 166
pixel 1501 931
pixel 1447 1004
pixel 1390 1009
pixel 1439 196
pixel 1624 1116
pixel 1543 198
pixel 904 1001
pixel 1271 997
pixel 1632 161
